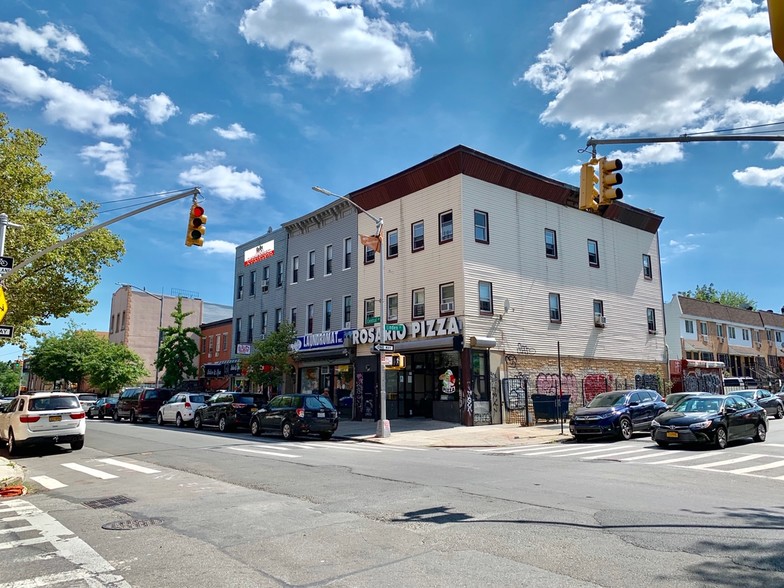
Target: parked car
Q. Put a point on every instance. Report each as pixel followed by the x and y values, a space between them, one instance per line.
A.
pixel 141 404
pixel 87 400
pixel 711 419
pixel 227 410
pixel 103 408
pixel 296 414
pixel 181 408
pixel 619 414
pixel 672 399
pixel 772 404
pixel 739 383
pixel 42 418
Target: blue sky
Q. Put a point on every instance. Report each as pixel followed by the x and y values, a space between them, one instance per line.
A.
pixel 257 101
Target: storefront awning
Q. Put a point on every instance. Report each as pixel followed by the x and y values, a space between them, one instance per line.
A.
pixel 429 344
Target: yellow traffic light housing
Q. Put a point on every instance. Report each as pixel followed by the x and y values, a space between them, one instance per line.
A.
pixel 196 228
pixel 397 361
pixel 776 15
pixel 588 191
pixel 608 180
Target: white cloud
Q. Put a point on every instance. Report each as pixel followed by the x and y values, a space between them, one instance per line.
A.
pixel 234 132
pixel 200 118
pixel 757 176
pixel 694 76
pixel 50 42
pixel 679 247
pixel 656 153
pixel 326 39
pixel 115 167
pixel 219 247
pixel 157 108
pixel 224 180
pixel 92 112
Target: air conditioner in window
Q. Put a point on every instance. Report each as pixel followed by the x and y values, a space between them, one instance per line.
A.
pixel 347 325
pixel 721 339
pixel 599 320
pixel 447 307
pixel 264 285
pixel 759 345
pixel 704 338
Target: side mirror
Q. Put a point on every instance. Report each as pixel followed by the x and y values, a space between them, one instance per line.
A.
pixel 730 410
pixel 634 403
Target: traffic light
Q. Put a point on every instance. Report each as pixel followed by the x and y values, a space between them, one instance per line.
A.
pixel 397 361
pixel 608 179
pixel 196 222
pixel 588 191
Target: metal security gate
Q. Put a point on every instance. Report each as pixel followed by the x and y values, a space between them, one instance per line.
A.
pixel 516 397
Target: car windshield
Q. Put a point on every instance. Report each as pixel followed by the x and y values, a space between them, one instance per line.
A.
pixel 199 398
pixel 697 404
pixel 748 395
pixel 54 403
pixel 88 397
pixel 318 403
pixel 243 399
pixel 606 400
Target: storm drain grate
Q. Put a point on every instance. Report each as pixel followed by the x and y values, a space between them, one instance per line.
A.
pixel 109 502
pixel 131 524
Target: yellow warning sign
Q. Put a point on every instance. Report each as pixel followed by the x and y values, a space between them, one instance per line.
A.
pixel 3 304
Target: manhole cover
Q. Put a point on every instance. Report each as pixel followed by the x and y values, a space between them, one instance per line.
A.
pixel 131 524
pixel 108 502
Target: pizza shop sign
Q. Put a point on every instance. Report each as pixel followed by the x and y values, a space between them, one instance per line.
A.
pixel 440 327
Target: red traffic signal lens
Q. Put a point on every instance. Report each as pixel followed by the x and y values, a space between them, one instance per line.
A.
pixel 197 211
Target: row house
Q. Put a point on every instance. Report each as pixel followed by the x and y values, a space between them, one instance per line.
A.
pixel 747 343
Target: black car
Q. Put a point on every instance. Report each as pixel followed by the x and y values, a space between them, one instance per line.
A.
pixel 772 404
pixel 296 414
pixel 227 410
pixel 710 419
pixel 103 408
pixel 618 414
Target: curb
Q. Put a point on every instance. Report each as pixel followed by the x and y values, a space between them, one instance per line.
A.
pixel 11 474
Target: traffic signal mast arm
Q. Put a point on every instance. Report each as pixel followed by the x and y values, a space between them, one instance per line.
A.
pixel 192 192
pixel 682 139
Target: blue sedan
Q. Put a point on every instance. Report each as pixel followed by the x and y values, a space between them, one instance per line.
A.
pixel 617 414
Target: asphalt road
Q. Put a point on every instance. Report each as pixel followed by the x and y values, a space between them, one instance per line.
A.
pixel 209 509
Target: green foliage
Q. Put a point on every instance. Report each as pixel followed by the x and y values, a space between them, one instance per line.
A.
pixel 60 282
pixel 10 374
pixel 114 366
pixel 273 351
pixel 178 350
pixel 709 293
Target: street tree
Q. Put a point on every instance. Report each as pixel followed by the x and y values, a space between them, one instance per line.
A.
pixel 114 366
pixel 270 362
pixel 10 375
pixel 709 293
pixel 65 357
pixel 59 283
pixel 178 349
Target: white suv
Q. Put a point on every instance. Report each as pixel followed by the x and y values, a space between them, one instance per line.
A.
pixel 181 408
pixel 42 417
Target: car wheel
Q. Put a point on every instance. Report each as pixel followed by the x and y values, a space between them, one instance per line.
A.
pixel 662 444
pixel 762 432
pixel 197 422
pixel 116 416
pixel 132 418
pixel 178 421
pixel 89 415
pixel 100 414
pixel 780 412
pixel 720 438
pixel 255 428
pixel 11 443
pixel 325 436
pixel 77 445
pixel 223 424
pixel 287 431
pixel 625 429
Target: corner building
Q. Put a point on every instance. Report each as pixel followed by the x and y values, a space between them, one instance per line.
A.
pixel 502 288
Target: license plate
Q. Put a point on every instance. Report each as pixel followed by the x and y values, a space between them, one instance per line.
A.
pixel 321 415
pixel 55 418
pixel 254 409
pixel 672 434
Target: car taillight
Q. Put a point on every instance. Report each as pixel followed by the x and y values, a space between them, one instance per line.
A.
pixel 28 418
pixel 187 405
pixel 300 412
pixel 77 415
pixel 238 405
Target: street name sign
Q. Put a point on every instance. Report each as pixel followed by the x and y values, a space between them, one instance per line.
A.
pixel 6 265
pixel 394 327
pixel 373 320
pixel 6 331
pixel 383 347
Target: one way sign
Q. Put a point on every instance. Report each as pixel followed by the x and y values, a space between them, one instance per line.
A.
pixel 6 331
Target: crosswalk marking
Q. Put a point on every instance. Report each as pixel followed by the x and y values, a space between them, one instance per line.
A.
pixel 130 466
pixel 767 466
pixel 587 451
pixel 713 464
pixel 679 459
pixel 89 471
pixel 49 483
pixel 605 456
pixel 260 452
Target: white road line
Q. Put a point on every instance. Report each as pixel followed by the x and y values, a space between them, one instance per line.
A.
pixel 16 529
pixel 584 452
pixel 49 579
pixel 713 464
pixel 606 455
pixel 260 452
pixel 574 450
pixel 89 471
pixel 49 483
pixel 130 466
pixel 347 448
pixel 767 466
pixel 651 453
pixel 774 445
pixel 677 459
pixel 495 449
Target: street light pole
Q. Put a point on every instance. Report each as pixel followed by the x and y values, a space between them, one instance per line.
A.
pixel 382 426
pixel 160 323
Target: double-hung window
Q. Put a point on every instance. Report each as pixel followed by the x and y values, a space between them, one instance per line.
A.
pixel 418 236
pixel 346 312
pixel 555 308
pixel 550 244
pixel 311 265
pixel 295 269
pixel 485 298
pixel 347 253
pixel 327 315
pixel 445 227
pixel 446 295
pixel 252 286
pixel 279 275
pixel 651 312
pixel 647 269
pixel 310 319
pixel 328 260
pixel 593 253
pixel 392 243
pixel 240 283
pixel 293 317
pixel 370 310
pixel 392 308
pixel 251 320
pixel 418 303
pixel 481 227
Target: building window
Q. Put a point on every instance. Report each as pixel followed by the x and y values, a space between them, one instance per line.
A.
pixel 778 336
pixel 328 260
pixel 264 324
pixel 481 227
pixel 555 308
pixel 311 265
pixel 203 343
pixel 445 228
pixel 651 320
pixel 310 319
pixel 111 324
pixel 265 279
pixel 347 253
pixel 719 330
pixel 370 255
pixel 250 327
pixel 122 322
pixel 392 243
pixel 647 270
pixel 744 334
pixel 278 318
pixel 327 315
pixel 418 303
pixel 485 298
pixel 225 338
pixel 418 236
pixel 293 317
pixel 370 310
pixel 593 253
pixel 550 244
pixel 392 308
pixel 279 275
pixel 239 286
pixel 238 330
pixel 689 325
pixel 731 332
pixel 703 328
pixel 447 298
pixel 346 312
pixel 294 269
pixel 252 285
pixel 210 346
pixel 598 313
